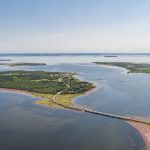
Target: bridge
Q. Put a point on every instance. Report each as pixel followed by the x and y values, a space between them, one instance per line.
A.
pixel 97 112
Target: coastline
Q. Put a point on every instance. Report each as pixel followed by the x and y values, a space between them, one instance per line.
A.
pixel 35 95
pixel 19 92
pixel 43 97
pixel 73 101
pixel 90 91
pixel 144 131
pixel 124 70
pixel 129 66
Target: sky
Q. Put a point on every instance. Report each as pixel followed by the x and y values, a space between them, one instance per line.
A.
pixel 74 26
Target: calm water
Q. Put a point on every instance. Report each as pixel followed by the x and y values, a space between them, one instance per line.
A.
pixel 24 125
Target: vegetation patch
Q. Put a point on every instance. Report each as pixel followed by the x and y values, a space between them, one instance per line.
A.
pixel 25 64
pixel 66 99
pixel 46 85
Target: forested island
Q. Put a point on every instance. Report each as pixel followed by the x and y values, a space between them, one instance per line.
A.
pixel 132 67
pixel 25 64
pixel 45 85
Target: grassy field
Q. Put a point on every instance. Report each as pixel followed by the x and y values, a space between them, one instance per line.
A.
pixel 132 67
pixel 65 99
pixel 46 100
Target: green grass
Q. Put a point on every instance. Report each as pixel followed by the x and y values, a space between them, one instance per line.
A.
pixel 65 99
pixel 148 123
pixel 47 102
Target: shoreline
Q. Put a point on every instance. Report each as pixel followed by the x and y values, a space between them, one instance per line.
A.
pixel 90 91
pixel 73 101
pixel 144 131
pixel 125 70
pixel 6 90
pixel 129 66
pixel 22 92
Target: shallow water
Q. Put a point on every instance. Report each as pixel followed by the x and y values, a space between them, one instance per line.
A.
pixel 24 125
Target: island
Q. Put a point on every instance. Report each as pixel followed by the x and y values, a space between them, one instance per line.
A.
pixel 45 85
pixel 131 67
pixel 25 64
pixel 5 59
pixel 110 56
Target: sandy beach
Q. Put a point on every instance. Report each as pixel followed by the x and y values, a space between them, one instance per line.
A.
pixel 144 131
pixel 18 92
pixel 91 91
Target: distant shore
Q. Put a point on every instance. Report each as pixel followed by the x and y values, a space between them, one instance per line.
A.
pixel 131 67
pixel 5 59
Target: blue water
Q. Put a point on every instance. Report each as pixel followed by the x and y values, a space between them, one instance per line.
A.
pixel 24 125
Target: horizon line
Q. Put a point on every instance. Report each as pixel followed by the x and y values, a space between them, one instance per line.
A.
pixel 3 53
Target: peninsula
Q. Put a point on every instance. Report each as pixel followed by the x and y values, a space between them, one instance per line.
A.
pixel 131 67
pixel 45 85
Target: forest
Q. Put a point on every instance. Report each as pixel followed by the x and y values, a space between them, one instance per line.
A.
pixel 43 82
